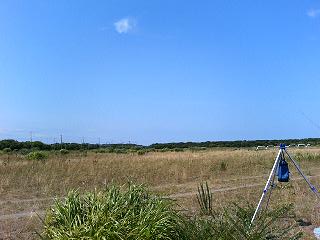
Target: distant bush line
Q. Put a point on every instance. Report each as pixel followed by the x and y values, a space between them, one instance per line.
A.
pixel 8 145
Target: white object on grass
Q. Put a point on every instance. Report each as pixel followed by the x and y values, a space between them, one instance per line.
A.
pixel 316 232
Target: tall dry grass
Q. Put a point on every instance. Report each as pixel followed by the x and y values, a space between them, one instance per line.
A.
pixel 85 171
pixel 165 172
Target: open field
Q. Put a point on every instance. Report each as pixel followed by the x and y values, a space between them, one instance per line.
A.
pixel 234 175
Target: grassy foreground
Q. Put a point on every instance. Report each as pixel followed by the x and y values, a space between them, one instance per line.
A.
pixel 29 183
pixel 134 213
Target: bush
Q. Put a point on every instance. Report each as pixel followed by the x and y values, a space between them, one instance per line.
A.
pixel 120 151
pixel 196 149
pixel 151 149
pixel 164 150
pixel 64 151
pixel 178 149
pixel 113 214
pixel 141 152
pixel 24 151
pixel 101 150
pixel 6 150
pixel 37 155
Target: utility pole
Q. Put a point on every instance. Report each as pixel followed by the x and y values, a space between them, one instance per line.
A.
pixel 31 136
pixel 60 141
pixel 54 143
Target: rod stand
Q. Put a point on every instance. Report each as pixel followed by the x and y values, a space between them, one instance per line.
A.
pixel 282 151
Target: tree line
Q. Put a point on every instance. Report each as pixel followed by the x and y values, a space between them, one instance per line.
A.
pixel 236 144
pixel 14 144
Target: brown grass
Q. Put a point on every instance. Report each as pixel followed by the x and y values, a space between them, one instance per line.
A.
pixel 164 172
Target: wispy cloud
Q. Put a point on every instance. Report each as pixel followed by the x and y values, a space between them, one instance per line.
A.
pixel 125 25
pixel 313 13
pixel 16 130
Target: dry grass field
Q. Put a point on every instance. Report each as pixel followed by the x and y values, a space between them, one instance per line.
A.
pixel 28 187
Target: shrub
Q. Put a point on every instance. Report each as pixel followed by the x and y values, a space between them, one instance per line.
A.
pixel 164 150
pixel 101 150
pixel 36 155
pixel 151 150
pixel 178 149
pixel 120 151
pixel 113 214
pixel 64 151
pixel 24 151
pixel 141 152
pixel 196 149
pixel 6 150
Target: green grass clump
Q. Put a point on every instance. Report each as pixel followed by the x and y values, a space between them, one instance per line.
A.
pixel 113 214
pixel 234 223
pixel 133 213
pixel 204 198
pixel 223 166
pixel 36 155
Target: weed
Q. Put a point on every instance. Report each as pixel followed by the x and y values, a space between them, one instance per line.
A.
pixel 223 166
pixel 204 198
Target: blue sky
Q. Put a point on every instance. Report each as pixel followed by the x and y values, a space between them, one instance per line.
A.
pixel 159 71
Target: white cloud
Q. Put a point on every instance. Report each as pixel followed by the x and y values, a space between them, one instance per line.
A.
pixel 313 13
pixel 125 25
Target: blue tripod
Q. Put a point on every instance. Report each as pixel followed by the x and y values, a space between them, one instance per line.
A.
pixel 282 152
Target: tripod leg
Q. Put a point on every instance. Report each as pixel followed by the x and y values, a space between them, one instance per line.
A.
pixel 313 188
pixel 275 165
pixel 271 188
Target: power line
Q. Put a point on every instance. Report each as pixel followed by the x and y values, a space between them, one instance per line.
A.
pixel 316 125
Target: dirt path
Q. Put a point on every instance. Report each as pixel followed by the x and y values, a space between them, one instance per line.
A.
pixel 30 200
pixel 178 195
pixel 22 214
